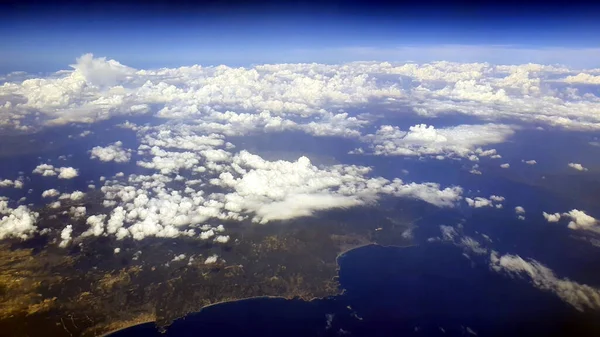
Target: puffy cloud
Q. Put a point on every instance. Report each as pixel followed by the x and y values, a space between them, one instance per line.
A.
pixel 65 236
pixel 577 166
pixel 45 170
pixel 211 259
pixel 519 210
pixel 11 183
pixel 207 234
pixel 583 78
pixel 49 170
pixel 580 296
pixel 244 185
pixel 76 195
pixel 100 71
pixel 113 152
pixel 421 139
pixel 17 222
pixel 222 238
pixel 67 173
pixel 530 162
pixel 505 165
pixel 478 202
pixel 290 95
pixel 179 257
pixel 551 217
pixel 283 190
pixel 496 198
pixel 50 193
pixel 96 224
pixel 77 212
pixel 580 220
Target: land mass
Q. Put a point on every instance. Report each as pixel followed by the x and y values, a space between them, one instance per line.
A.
pixel 88 290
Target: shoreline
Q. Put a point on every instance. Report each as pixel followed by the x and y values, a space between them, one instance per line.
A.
pixel 342 291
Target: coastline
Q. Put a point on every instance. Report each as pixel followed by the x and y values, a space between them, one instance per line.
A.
pixel 342 253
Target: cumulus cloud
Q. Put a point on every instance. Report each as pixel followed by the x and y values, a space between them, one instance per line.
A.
pixel 282 190
pixel 45 170
pixel 211 259
pixel 421 139
pixel 551 217
pixel 580 296
pixel 11 183
pixel 67 173
pixel 179 257
pixel 577 166
pixel 530 162
pixel 113 152
pixel 519 210
pixel 50 193
pixel 505 165
pixel 478 202
pixel 580 220
pixel 245 185
pixel 65 236
pixel 222 238
pixel 17 222
pixel 290 95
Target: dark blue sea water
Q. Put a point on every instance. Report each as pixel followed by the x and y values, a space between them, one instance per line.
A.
pixel 429 290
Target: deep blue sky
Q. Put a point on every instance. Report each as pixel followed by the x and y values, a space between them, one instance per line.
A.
pixel 46 36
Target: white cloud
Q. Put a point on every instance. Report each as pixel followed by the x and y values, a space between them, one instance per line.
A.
pixel 496 198
pixel 179 257
pixel 580 296
pixel 505 165
pixel 96 224
pixel 289 96
pixel 76 195
pixel 45 170
pixel 283 190
pixel 207 234
pixel 67 173
pixel 50 193
pixel 113 152
pixel 577 166
pixel 17 222
pixel 11 183
pixel 478 202
pixel 420 140
pixel 211 259
pixel 65 236
pixel 245 185
pixel 222 238
pixel 551 217
pixel 519 210
pixel 530 162
pixel 77 212
pixel 580 220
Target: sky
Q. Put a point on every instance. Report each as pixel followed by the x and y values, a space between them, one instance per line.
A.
pixel 43 36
